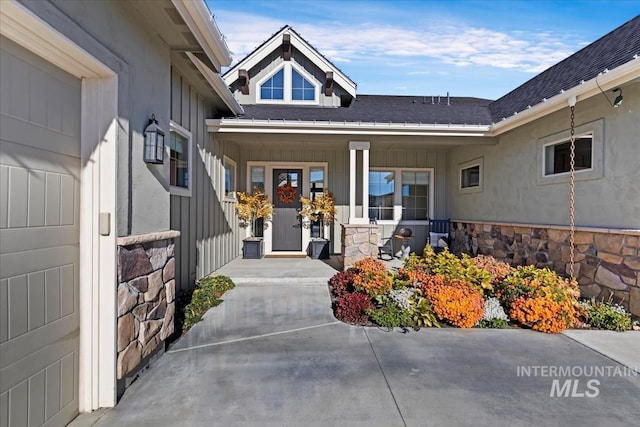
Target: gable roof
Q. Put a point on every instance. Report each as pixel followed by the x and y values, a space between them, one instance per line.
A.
pixel 303 46
pixel 382 109
pixel 616 48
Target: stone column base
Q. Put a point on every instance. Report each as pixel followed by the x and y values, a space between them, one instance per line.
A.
pixel 358 241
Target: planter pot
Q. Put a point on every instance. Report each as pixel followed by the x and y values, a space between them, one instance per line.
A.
pixel 252 248
pixel 319 249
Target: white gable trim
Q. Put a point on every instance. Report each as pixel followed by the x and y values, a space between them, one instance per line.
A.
pixel 309 52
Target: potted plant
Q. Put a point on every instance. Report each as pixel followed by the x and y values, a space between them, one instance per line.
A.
pixel 320 209
pixel 250 208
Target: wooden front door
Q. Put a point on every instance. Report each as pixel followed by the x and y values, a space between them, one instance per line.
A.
pixel 287 226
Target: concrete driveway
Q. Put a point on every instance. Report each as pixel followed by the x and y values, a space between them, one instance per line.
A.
pixel 273 355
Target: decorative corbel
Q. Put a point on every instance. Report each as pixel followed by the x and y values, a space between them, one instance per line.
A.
pixel 286 47
pixel 328 83
pixel 243 79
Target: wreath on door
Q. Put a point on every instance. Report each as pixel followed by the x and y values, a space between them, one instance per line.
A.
pixel 286 193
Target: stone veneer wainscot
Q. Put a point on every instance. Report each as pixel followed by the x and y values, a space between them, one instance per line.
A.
pixel 607 261
pixel 146 296
pixel 358 241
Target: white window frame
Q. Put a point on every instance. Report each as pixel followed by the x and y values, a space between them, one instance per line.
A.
pixel 173 189
pixel 467 165
pixel 561 142
pixel 227 160
pixel 288 87
pixel 596 130
pixel 397 196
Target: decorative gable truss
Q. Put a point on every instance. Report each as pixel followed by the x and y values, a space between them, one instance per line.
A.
pixel 286 69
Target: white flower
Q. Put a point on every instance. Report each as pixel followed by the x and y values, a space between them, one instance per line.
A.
pixel 493 310
pixel 400 297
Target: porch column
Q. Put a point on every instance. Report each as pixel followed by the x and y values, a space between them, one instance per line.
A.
pixel 353 147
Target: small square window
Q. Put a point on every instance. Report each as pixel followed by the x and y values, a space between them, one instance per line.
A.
pixel 179 160
pixel 470 176
pixel 229 178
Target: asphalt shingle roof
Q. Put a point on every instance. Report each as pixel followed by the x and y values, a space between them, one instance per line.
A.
pixel 608 52
pixel 383 109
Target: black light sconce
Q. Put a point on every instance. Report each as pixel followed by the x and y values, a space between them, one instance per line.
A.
pixel 153 142
pixel 618 101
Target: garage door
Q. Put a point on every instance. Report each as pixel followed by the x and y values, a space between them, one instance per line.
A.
pixel 39 235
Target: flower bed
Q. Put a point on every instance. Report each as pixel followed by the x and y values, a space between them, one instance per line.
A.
pixel 465 292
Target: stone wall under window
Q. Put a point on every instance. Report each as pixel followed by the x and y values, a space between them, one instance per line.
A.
pixel 607 262
pixel 146 299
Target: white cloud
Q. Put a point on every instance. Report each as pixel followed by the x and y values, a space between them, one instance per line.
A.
pixel 460 46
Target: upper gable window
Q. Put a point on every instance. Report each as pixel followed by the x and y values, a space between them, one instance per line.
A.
pixel 289 84
pixel 301 88
pixel 274 87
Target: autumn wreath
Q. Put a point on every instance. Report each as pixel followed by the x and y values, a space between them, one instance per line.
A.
pixel 286 193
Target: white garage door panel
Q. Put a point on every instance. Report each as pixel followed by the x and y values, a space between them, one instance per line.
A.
pixel 39 240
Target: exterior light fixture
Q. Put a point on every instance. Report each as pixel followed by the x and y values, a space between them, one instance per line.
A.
pixel 618 101
pixel 153 142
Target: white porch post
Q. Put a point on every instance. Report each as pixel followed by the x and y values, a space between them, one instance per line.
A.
pixel 352 184
pixel 365 184
pixel 353 147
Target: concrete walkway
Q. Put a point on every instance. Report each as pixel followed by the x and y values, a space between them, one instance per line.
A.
pixel 273 355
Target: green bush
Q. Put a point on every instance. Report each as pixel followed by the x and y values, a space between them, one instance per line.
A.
pixel 447 264
pixel 206 295
pixel 493 323
pixel 422 312
pixel 606 315
pixel 389 315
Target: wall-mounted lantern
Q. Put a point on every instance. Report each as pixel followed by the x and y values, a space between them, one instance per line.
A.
pixel 153 142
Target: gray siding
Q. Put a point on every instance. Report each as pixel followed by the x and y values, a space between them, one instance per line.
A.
pixel 208 224
pixel 143 67
pixel 513 191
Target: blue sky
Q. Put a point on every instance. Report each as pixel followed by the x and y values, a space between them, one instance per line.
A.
pixel 468 48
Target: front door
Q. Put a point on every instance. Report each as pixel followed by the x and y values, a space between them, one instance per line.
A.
pixel 287 226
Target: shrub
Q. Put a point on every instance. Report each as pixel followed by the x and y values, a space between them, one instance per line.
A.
pixel 543 314
pixel 400 297
pixel 606 315
pixel 206 295
pixel 447 264
pixel 415 277
pixel 372 277
pixel 494 315
pixel 390 316
pixel 534 282
pixel 422 312
pixel 353 308
pixel 454 301
pixel 342 283
pixel 498 270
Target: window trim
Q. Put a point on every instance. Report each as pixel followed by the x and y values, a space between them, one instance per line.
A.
pixel 596 129
pixel 561 142
pixel 174 189
pixel 397 195
pixel 288 86
pixel 467 165
pixel 226 160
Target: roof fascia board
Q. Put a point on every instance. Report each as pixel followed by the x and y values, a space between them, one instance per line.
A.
pixel 199 20
pixel 607 81
pixel 343 128
pixel 217 84
pixel 318 60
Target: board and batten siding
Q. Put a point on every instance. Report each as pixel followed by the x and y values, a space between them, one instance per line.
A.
pixel 338 176
pixel 207 222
